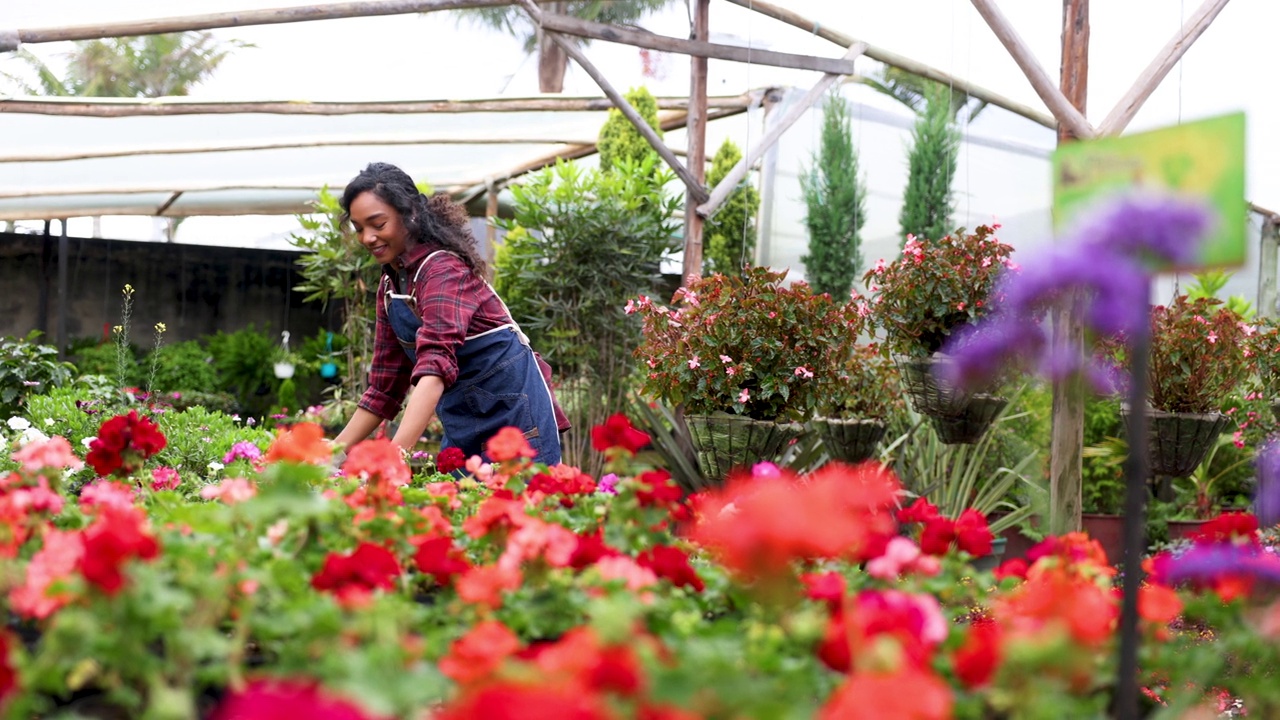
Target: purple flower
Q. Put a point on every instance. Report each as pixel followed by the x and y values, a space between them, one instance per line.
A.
pixel 1209 562
pixel 608 484
pixel 1143 226
pixel 243 449
pixel 1266 500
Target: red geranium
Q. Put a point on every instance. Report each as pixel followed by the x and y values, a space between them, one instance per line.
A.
pixel 273 699
pixel 617 432
pixel 450 459
pixel 477 654
pixel 438 558
pixel 972 533
pixel 115 537
pixel 657 488
pixel 124 442
pixel 525 702
pixel 978 658
pixel 672 564
pixel 353 577
pixel 1228 527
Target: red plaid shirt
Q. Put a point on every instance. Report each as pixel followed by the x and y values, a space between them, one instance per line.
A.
pixel 454 304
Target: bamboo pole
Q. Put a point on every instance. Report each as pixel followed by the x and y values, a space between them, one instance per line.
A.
pixel 244 18
pixel 739 171
pixel 68 190
pixel 695 48
pixel 1058 104
pixel 691 268
pixel 127 107
pixel 1120 116
pixel 901 62
pixel 572 50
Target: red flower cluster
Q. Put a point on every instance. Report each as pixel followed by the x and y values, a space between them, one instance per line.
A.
pixel 115 537
pixel 450 459
pixel 657 489
pixel 274 699
pixel 124 442
pixel 562 480
pixel 672 564
pixel 508 444
pixel 1232 527
pixel 617 432
pixel 969 532
pixel 353 577
pixel 439 558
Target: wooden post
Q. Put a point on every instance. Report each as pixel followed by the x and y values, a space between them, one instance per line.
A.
pixel 1267 258
pixel 697 156
pixel 491 213
pixel 1066 447
pixel 693 186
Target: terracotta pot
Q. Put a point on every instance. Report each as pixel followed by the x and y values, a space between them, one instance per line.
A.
pixel 723 442
pixel 1108 530
pixel 850 440
pixel 1183 529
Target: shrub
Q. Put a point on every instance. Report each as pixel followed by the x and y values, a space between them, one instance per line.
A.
pixel 28 367
pixel 184 367
pixel 835 199
pixel 620 143
pixel 243 360
pixel 927 204
pixel 730 236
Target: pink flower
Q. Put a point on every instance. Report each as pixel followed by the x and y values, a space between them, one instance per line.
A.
pixel 744 396
pixel 1213 337
pixel 898 555
pixel 621 567
pixel 53 562
pixel 165 478
pixel 694 364
pixel 107 494
pixel 479 468
pixel 230 491
pixel 630 307
pixel 765 471
pixel 731 371
pixel 54 452
pixel 726 359
pixel 879 268
pixel 803 372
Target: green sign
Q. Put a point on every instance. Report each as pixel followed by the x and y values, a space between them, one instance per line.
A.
pixel 1202 160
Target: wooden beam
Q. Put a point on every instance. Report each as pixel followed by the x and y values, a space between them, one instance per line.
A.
pixel 1268 257
pixel 696 48
pixel 69 190
pixel 901 62
pixel 296 142
pixel 573 51
pixel 168 203
pixel 1058 104
pixel 245 18
pixel 739 171
pixel 691 268
pixel 126 107
pixel 1120 116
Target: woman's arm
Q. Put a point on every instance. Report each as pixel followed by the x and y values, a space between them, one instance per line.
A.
pixel 358 428
pixel 419 410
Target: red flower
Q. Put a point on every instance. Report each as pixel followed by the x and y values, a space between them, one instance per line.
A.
pixel 450 459
pixel 440 559
pixel 617 431
pixel 977 660
pixel 8 675
pixel 1228 527
pixel 123 443
pixel 938 535
pixel 114 538
pixel 657 488
pixel 352 577
pixel 508 444
pixel 525 702
pixel 972 534
pixel 833 650
pixel 920 511
pixel 477 654
pixel 1015 568
pixel 672 564
pixel 273 699
pixel 590 548
pixel 908 694
pixel 828 587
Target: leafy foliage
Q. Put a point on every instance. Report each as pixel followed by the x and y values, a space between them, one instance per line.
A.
pixel 243 360
pixel 28 367
pixel 730 236
pixel 927 204
pixel 184 367
pixel 746 345
pixel 103 359
pixel 620 143
pixel 936 287
pixel 835 198
pixel 581 244
pixel 1210 282
pixel 859 387
pixel 1197 355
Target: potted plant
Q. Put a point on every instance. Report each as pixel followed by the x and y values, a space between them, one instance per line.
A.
pixel 741 356
pixel 935 288
pixel 1197 360
pixel 1263 348
pixel 854 404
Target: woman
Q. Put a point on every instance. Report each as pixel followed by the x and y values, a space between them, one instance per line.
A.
pixel 441 330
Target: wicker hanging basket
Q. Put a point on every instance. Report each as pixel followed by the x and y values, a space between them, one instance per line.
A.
pixel 928 395
pixel 1179 442
pixel 724 442
pixel 973 421
pixel 850 440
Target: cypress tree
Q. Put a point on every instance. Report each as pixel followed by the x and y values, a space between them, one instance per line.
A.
pixel 730 236
pixel 928 203
pixel 836 200
pixel 619 140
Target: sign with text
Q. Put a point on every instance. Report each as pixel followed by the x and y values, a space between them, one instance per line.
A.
pixel 1202 159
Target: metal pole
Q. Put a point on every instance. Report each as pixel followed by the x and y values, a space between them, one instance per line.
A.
pixel 1135 520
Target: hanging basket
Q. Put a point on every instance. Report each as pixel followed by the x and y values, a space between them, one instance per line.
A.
pixel 929 396
pixel 850 440
pixel 972 422
pixel 1179 442
pixel 723 442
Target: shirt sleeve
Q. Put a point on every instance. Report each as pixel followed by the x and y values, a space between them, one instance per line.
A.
pixel 449 296
pixel 389 373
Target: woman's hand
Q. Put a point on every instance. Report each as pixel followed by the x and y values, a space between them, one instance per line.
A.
pixel 419 411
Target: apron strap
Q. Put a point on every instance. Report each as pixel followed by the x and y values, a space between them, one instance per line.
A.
pixel 412 302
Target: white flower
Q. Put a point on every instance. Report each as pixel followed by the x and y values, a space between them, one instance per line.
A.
pixel 216 466
pixel 48 422
pixel 31 435
pixel 18 423
pixel 88 441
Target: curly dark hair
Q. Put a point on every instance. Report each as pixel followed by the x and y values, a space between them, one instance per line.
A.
pixel 435 220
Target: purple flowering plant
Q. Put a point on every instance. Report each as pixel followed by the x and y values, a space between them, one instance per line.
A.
pixel 936 287
pixel 745 344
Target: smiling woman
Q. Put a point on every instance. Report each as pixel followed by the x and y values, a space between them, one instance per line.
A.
pixel 441 329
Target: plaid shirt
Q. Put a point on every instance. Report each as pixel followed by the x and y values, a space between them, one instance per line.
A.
pixel 453 304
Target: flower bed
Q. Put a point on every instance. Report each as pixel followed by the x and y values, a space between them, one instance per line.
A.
pixel 289 590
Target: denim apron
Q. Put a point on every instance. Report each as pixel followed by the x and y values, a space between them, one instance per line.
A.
pixel 499 383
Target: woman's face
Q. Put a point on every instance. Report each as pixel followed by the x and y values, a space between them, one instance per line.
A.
pixel 379 227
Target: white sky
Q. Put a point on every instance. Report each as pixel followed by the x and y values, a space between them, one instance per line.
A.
pixel 1232 67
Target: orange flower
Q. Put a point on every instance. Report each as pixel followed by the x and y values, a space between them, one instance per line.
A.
pixel 509 444
pixel 302 443
pixel 1054 595
pixel 477 654
pixel 484 585
pixel 909 694
pixel 1159 605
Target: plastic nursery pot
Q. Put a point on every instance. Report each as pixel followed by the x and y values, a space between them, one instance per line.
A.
pixel 1179 442
pixel 972 422
pixel 851 440
pixel 992 560
pixel 723 442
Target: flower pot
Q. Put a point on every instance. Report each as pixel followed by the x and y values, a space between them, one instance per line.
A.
pixel 992 560
pixel 1108 530
pixel 1179 442
pixel 723 442
pixel 928 395
pixel 1183 529
pixel 283 370
pixel 972 422
pixel 850 440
